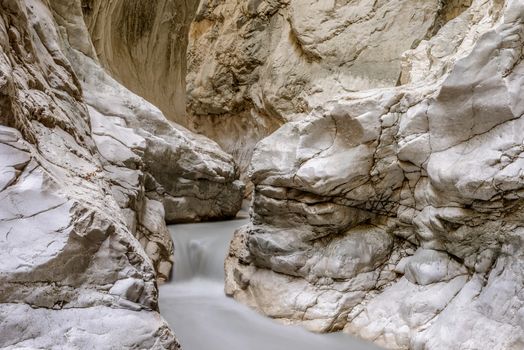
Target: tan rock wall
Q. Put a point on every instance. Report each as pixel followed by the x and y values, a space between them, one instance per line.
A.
pixel 143 45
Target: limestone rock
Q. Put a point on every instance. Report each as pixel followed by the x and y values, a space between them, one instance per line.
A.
pixel 262 63
pixel 143 46
pixel 64 244
pixel 394 213
pixel 87 170
pixel 148 158
pixel 90 328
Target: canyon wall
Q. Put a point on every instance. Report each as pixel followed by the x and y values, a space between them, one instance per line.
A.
pixel 255 65
pixel 394 212
pixel 385 144
pixel 89 175
pixel 143 45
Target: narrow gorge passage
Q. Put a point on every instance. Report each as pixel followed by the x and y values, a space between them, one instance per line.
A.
pixel 380 142
pixel 195 306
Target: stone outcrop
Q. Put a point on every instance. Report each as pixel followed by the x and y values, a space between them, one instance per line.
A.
pixel 394 213
pixel 89 175
pixel 254 65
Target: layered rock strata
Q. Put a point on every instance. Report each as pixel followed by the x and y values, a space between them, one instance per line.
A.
pixel 395 213
pixel 89 174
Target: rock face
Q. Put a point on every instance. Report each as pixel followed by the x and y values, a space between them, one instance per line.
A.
pixel 252 66
pixel 393 213
pixel 387 199
pixel 261 63
pixel 89 174
pixel 143 45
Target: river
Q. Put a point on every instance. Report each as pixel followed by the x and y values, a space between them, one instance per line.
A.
pixel 203 318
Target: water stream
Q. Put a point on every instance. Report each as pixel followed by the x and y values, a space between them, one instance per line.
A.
pixel 203 318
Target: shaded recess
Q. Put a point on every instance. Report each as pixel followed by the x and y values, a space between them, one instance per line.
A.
pixel 143 45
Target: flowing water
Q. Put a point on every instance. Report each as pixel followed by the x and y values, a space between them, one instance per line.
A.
pixel 203 318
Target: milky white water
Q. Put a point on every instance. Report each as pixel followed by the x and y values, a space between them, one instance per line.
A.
pixel 203 318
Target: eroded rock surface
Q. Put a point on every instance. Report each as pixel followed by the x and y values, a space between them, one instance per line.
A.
pixel 89 174
pixel 254 65
pixel 143 45
pixel 395 213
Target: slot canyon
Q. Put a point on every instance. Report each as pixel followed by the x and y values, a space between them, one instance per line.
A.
pixel 262 174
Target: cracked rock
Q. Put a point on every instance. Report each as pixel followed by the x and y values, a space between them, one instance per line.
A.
pixel 393 212
pixel 86 167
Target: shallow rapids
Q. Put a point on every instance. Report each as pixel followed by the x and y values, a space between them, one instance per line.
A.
pixel 203 318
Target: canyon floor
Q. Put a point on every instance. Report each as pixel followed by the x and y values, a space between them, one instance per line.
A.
pixel 195 300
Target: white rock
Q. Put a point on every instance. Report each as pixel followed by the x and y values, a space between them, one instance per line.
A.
pixel 84 167
pixel 87 328
pixel 430 173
